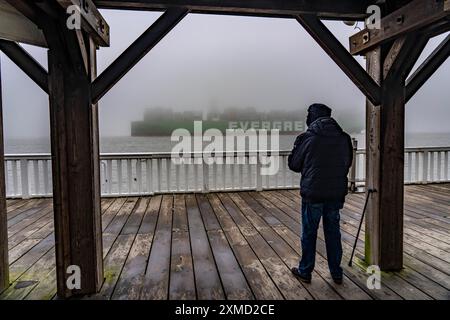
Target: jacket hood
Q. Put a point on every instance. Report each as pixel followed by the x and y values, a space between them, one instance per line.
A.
pixel 325 126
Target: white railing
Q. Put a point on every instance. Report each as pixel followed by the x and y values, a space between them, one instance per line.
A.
pixel 422 165
pixel 150 173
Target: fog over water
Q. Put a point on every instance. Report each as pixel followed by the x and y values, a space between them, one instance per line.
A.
pixel 211 61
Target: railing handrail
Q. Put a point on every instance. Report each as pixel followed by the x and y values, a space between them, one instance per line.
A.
pixel 156 155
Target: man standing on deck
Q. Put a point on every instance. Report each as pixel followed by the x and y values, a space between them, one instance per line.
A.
pixel 323 155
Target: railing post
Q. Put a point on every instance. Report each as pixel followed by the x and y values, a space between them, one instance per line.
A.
pixel 425 167
pixel 446 165
pixel 259 186
pixel 352 179
pixel 24 178
pixel 205 177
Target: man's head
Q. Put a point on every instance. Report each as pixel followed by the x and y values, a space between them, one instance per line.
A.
pixel 315 111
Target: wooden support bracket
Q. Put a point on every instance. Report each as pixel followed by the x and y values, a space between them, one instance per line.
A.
pixel 341 56
pixel 136 51
pixel 26 63
pixel 427 68
pixel 413 16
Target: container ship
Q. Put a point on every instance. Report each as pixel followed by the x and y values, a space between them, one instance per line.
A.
pixel 162 122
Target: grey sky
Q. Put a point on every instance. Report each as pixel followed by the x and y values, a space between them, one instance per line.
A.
pixel 218 61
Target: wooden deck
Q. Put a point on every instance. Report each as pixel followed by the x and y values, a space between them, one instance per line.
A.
pixel 229 246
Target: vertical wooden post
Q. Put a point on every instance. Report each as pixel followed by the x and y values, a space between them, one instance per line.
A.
pixel 4 265
pixel 372 247
pixel 75 159
pixel 385 143
pixel 385 168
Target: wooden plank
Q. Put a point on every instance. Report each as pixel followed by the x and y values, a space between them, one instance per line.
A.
pixel 288 285
pixel 37 206
pixel 348 290
pixel 207 279
pixel 4 264
pixel 129 284
pixel 25 262
pixel 113 265
pixel 151 215
pixel 136 216
pixel 39 280
pixel 352 275
pixel 111 212
pixel 16 27
pixel 29 279
pixel 182 283
pixel 414 278
pixel 395 283
pixel 259 280
pixel 14 229
pixel 319 288
pixel 413 275
pixel 115 227
pixel 45 289
pixel 234 282
pixel 156 280
pixel 19 207
pixel 19 250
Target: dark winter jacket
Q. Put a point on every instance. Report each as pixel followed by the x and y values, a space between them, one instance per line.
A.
pixel 323 156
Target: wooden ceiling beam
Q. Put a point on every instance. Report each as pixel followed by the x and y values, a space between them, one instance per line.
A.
pixel 14 26
pixel 332 9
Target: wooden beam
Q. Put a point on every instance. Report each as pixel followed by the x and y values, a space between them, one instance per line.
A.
pixel 136 51
pixel 427 68
pixel 92 20
pixel 341 56
pixel 75 161
pixel 403 55
pixel 4 265
pixel 384 162
pixel 28 9
pixel 333 9
pixel 413 16
pixel 16 27
pixel 385 135
pixel 26 63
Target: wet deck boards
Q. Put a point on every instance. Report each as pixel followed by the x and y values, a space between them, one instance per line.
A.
pixel 229 246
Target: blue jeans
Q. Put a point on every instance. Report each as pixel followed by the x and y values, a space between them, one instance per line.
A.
pixel 311 214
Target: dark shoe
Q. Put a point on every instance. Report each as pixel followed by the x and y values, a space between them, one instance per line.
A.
pixel 337 280
pixel 304 278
